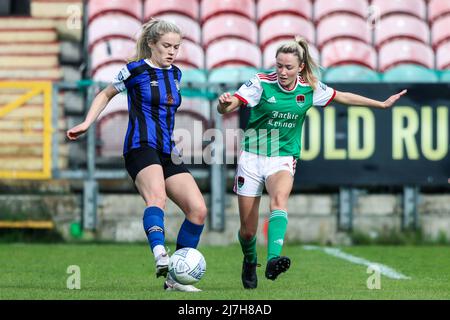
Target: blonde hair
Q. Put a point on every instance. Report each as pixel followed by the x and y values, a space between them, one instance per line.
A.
pixel 300 48
pixel 152 31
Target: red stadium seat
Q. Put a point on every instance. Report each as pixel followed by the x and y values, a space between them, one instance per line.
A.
pixel 211 8
pixel 107 72
pixel 119 103
pixel 324 8
pixel 437 9
pixel 270 8
pixel 348 51
pixel 199 106
pixel 401 26
pixel 415 8
pixel 441 30
pixel 405 51
pixel 191 54
pixel 156 7
pixel 285 26
pixel 111 132
pixel 190 28
pixel 269 58
pixel 443 56
pixel 111 51
pixel 229 25
pixel 133 8
pixel 232 52
pixel 343 26
pixel 113 25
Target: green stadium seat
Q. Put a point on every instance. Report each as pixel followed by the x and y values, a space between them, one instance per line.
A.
pixel 445 76
pixel 350 73
pixel 410 73
pixel 231 75
pixel 193 76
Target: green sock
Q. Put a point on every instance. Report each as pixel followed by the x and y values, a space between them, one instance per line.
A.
pixel 277 229
pixel 248 248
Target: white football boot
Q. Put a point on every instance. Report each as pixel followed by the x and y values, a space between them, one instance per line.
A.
pixel 171 285
pixel 162 265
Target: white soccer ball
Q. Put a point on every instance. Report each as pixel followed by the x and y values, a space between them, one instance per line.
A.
pixel 187 266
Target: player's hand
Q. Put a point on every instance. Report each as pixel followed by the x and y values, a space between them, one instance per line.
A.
pixel 77 131
pixel 225 99
pixel 393 99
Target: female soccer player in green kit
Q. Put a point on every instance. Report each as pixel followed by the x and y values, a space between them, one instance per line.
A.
pixel 278 105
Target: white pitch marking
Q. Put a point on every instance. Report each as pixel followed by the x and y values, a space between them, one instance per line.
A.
pixel 384 270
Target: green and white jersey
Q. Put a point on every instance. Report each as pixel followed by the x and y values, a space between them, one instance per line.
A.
pixel 277 115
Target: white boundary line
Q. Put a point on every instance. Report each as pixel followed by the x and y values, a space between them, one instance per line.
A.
pixel 384 270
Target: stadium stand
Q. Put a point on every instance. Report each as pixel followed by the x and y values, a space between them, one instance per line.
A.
pixel 437 9
pixel 324 8
pixel 229 26
pixel 410 73
pixel 405 51
pixel 443 56
pixel 231 75
pixel 348 51
pixel 401 26
pixel 441 30
pixel 271 49
pixel 190 28
pixel 416 8
pixel 269 8
pixel 245 8
pixel 189 8
pixel 229 52
pixel 111 51
pixel 285 26
pixel 342 26
pixel 191 54
pixel 351 73
pixel 133 8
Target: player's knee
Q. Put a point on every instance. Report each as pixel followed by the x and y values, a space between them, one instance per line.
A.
pixel 278 202
pixel 198 213
pixel 247 234
pixel 156 200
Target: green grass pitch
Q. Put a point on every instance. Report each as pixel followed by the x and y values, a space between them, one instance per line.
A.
pixel 126 271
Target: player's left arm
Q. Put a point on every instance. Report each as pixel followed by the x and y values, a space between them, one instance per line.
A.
pixel 352 99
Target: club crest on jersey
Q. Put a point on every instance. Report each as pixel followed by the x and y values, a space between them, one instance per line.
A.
pixel 300 100
pixel 248 83
pixel 170 99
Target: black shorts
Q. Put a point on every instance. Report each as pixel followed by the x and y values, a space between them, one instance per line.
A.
pixel 140 158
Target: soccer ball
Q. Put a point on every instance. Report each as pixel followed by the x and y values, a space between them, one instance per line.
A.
pixel 187 266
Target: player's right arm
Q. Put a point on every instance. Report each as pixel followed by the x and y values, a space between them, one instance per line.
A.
pixel 228 103
pixel 97 106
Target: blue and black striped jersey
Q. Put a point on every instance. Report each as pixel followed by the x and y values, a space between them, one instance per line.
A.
pixel 153 99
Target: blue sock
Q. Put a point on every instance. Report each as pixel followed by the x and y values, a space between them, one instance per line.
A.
pixel 189 235
pixel 154 226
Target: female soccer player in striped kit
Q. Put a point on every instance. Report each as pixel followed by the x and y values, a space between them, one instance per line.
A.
pixel 151 159
pixel 278 105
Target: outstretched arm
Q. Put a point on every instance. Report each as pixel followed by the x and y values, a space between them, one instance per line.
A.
pixel 349 98
pixel 99 103
pixel 228 103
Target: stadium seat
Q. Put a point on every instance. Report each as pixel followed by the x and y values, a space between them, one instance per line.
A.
pixel 133 8
pixel 230 125
pixel 445 76
pixel 111 51
pixel 437 9
pixel 323 8
pixel 415 8
pixel 443 56
pixel 191 54
pixel 231 75
pixel 342 26
pixel 405 51
pixel 197 105
pixel 111 131
pixel 345 51
pixel 229 25
pixel 401 26
pixel 244 8
pixel 188 8
pixel 113 25
pixel 107 72
pixel 118 103
pixel 351 73
pixel 188 134
pixel 269 8
pixel 441 30
pixel 270 51
pixel 189 27
pixel 410 73
pixel 285 26
pixel 197 76
pixel 233 52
